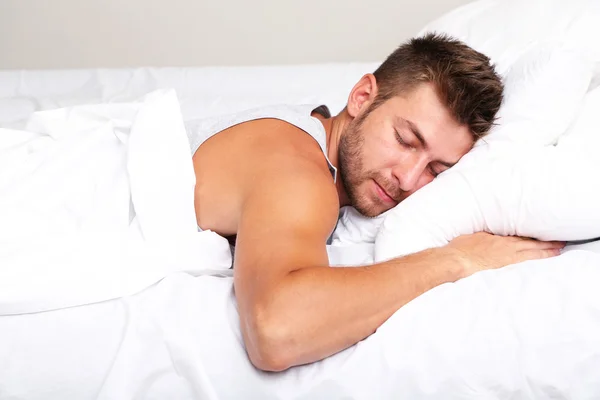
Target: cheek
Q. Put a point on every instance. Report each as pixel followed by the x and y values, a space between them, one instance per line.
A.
pixel 378 148
pixel 380 154
pixel 399 159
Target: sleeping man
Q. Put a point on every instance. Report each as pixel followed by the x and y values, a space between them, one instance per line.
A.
pixel 273 180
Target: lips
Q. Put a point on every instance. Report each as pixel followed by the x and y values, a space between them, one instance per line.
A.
pixel 383 194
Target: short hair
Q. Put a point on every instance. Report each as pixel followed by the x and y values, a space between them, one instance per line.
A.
pixel 464 78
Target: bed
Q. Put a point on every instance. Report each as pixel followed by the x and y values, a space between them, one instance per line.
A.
pixel 99 308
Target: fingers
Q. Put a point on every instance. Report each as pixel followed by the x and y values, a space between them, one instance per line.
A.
pixel 558 245
pixel 533 244
pixel 531 249
pixel 549 245
pixel 538 254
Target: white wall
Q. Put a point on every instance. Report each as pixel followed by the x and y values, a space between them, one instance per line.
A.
pixel 120 33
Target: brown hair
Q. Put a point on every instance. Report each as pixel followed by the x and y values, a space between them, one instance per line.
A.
pixel 464 78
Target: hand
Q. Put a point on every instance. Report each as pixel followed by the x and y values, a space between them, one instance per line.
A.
pixel 481 251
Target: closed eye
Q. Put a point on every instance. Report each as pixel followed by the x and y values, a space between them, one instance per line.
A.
pixel 402 141
pixel 436 170
pixel 433 172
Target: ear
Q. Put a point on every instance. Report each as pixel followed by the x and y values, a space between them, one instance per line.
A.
pixel 362 95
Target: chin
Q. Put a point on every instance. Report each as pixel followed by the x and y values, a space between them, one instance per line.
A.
pixel 366 203
pixel 369 209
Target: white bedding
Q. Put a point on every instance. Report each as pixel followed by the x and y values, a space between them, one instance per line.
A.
pixel 97 203
pixel 202 92
pixel 180 337
pixel 528 331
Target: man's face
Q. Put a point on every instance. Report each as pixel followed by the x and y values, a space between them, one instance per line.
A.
pixel 388 153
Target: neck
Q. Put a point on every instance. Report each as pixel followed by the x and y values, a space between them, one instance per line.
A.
pixel 334 128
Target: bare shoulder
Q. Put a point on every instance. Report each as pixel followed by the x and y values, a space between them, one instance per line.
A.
pixel 280 139
pixel 290 202
pixel 263 165
pixel 289 171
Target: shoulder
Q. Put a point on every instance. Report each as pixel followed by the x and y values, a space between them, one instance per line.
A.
pixel 275 147
pixel 287 173
pixel 270 167
pixel 290 204
pixel 271 133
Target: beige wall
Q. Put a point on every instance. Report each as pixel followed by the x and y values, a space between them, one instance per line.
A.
pixel 120 33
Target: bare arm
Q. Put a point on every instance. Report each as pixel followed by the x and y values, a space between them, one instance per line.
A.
pixel 314 312
pixel 294 309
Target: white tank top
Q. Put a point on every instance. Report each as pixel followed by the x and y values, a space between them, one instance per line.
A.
pixel 200 130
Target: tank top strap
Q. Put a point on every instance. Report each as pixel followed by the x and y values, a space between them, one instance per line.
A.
pixel 199 131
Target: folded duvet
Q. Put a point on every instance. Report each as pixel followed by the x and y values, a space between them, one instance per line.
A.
pixel 96 202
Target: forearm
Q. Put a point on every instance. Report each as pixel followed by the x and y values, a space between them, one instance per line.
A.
pixel 320 311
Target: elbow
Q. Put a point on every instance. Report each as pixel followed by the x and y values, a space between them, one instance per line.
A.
pixel 268 362
pixel 269 343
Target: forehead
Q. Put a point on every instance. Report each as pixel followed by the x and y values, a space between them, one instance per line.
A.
pixel 423 109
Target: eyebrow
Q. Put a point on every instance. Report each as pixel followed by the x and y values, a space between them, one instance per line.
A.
pixel 415 130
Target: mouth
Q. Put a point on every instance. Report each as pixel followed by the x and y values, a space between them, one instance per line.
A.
pixel 384 195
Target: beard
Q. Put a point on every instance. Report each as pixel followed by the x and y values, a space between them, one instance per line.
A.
pixel 353 174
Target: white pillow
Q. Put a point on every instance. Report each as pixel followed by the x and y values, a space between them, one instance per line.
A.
pixel 504 29
pixel 585 127
pixel 551 193
pixel 513 183
pixel 544 89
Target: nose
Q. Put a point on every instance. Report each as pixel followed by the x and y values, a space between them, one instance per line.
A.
pixel 409 173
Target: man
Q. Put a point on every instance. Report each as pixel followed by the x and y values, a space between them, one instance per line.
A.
pixel 267 178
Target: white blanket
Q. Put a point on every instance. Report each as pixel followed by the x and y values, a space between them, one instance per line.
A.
pixel 96 202
pixel 535 336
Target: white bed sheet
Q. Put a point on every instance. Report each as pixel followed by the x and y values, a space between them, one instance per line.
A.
pixel 181 339
pixel 202 92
